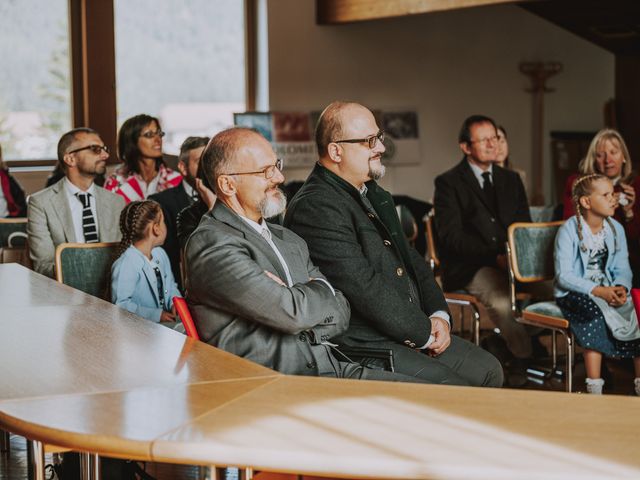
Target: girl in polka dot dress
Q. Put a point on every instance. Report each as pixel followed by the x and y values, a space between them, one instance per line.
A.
pixel 593 278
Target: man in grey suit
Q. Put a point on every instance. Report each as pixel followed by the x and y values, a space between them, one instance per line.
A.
pixel 74 209
pixel 250 284
pixel 354 235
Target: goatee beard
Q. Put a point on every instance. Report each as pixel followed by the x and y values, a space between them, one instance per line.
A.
pixel 273 206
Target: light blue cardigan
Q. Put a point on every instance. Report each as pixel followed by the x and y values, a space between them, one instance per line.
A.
pixel 571 262
pixel 134 285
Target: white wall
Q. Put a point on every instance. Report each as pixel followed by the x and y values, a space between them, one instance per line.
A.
pixel 446 66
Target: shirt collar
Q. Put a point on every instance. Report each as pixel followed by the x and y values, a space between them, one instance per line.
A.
pixel 191 192
pixel 258 227
pixel 477 172
pixel 73 189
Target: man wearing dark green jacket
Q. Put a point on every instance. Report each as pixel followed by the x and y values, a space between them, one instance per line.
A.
pixel 354 235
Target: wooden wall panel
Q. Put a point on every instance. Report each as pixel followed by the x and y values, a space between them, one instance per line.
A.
pixel 347 11
pixel 628 103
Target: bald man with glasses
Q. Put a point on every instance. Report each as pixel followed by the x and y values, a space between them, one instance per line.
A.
pixel 74 209
pixel 354 235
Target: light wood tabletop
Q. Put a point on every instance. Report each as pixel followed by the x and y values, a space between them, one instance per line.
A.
pixel 93 377
pixel 362 428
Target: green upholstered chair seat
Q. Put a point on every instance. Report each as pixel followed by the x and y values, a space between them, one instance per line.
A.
pixel 545 308
pixel 87 269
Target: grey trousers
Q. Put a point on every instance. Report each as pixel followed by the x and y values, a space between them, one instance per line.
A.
pixel 462 363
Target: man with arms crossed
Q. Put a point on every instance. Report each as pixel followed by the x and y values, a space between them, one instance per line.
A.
pixel 354 235
pixel 74 209
pixel 251 286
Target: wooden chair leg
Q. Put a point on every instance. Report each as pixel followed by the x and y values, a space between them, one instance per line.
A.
pixel 569 362
pixel 5 441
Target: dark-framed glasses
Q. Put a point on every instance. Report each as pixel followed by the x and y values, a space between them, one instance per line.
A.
pixel 97 149
pixel 153 133
pixel 371 140
pixel 268 171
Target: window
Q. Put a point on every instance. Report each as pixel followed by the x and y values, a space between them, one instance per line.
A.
pixel 35 105
pixel 183 62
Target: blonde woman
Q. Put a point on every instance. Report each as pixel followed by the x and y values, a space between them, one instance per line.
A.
pixel 608 155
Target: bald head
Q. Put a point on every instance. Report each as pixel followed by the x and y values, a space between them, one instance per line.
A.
pixel 221 153
pixel 333 123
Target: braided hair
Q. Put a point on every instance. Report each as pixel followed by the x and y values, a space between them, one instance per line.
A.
pixel 134 219
pixel 583 187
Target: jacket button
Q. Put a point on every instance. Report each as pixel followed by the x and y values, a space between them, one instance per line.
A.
pixel 311 365
pixel 399 271
pixel 302 337
pixel 387 243
pixel 493 220
pixel 410 299
pixel 412 345
pixel 371 215
pixel 407 342
pixel 494 239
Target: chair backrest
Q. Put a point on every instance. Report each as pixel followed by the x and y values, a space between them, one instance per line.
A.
pixel 8 227
pixel 530 249
pixel 86 266
pixel 408 223
pixel 432 251
pixel 185 315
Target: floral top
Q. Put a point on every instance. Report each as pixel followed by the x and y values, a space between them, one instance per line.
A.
pixel 133 187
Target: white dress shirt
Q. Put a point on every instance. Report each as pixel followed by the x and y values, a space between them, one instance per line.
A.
pixel 76 208
pixel 477 171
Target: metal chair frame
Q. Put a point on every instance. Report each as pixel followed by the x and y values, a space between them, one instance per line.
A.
pixel 555 324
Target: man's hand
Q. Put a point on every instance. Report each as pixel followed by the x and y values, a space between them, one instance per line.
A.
pixel 440 331
pixel 275 278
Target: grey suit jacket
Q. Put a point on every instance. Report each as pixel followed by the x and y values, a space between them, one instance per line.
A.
pixel 50 224
pixel 238 308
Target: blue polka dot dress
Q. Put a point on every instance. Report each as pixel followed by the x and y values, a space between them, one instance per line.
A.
pixel 587 320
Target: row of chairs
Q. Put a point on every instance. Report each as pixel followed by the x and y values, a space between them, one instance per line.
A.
pixel 530 248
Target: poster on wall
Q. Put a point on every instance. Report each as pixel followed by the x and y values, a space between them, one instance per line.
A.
pixel 292 135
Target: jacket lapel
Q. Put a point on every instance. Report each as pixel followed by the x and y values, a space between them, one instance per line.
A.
pixel 105 219
pixel 63 211
pixel 222 213
pixel 150 275
pixel 470 179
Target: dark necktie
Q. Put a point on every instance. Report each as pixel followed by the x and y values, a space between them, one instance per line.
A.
pixel 489 192
pixel 88 222
pixel 160 286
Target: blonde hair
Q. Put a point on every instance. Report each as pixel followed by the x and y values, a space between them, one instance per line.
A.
pixel 583 187
pixel 588 163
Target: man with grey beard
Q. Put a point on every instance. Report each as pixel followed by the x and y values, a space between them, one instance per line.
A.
pixel 354 235
pixel 250 284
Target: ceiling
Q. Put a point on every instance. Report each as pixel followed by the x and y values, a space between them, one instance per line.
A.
pixel 611 24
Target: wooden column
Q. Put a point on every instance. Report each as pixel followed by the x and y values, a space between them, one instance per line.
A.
pixel 93 71
pixel 539 73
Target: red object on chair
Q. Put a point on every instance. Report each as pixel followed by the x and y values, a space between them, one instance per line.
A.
pixel 183 311
pixel 635 296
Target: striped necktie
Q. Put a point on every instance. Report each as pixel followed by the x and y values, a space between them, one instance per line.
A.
pixel 88 222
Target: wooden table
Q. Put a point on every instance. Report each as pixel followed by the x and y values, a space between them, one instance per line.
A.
pixel 238 413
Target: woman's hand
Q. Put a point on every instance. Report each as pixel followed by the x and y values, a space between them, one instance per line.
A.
pixel 630 195
pixel 168 316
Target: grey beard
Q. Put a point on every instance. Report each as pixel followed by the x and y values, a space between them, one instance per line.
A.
pixel 271 207
pixel 376 173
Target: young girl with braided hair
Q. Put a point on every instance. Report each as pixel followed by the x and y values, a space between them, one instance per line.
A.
pixel 141 277
pixel 593 278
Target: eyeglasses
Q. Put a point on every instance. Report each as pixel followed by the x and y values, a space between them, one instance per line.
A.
pixel 152 133
pixel 268 171
pixel 372 140
pixel 485 141
pixel 97 149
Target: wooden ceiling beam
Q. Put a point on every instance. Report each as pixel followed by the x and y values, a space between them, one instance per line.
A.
pixel 330 12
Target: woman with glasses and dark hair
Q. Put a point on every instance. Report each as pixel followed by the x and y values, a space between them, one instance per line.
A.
pixel 12 201
pixel 608 155
pixel 143 171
